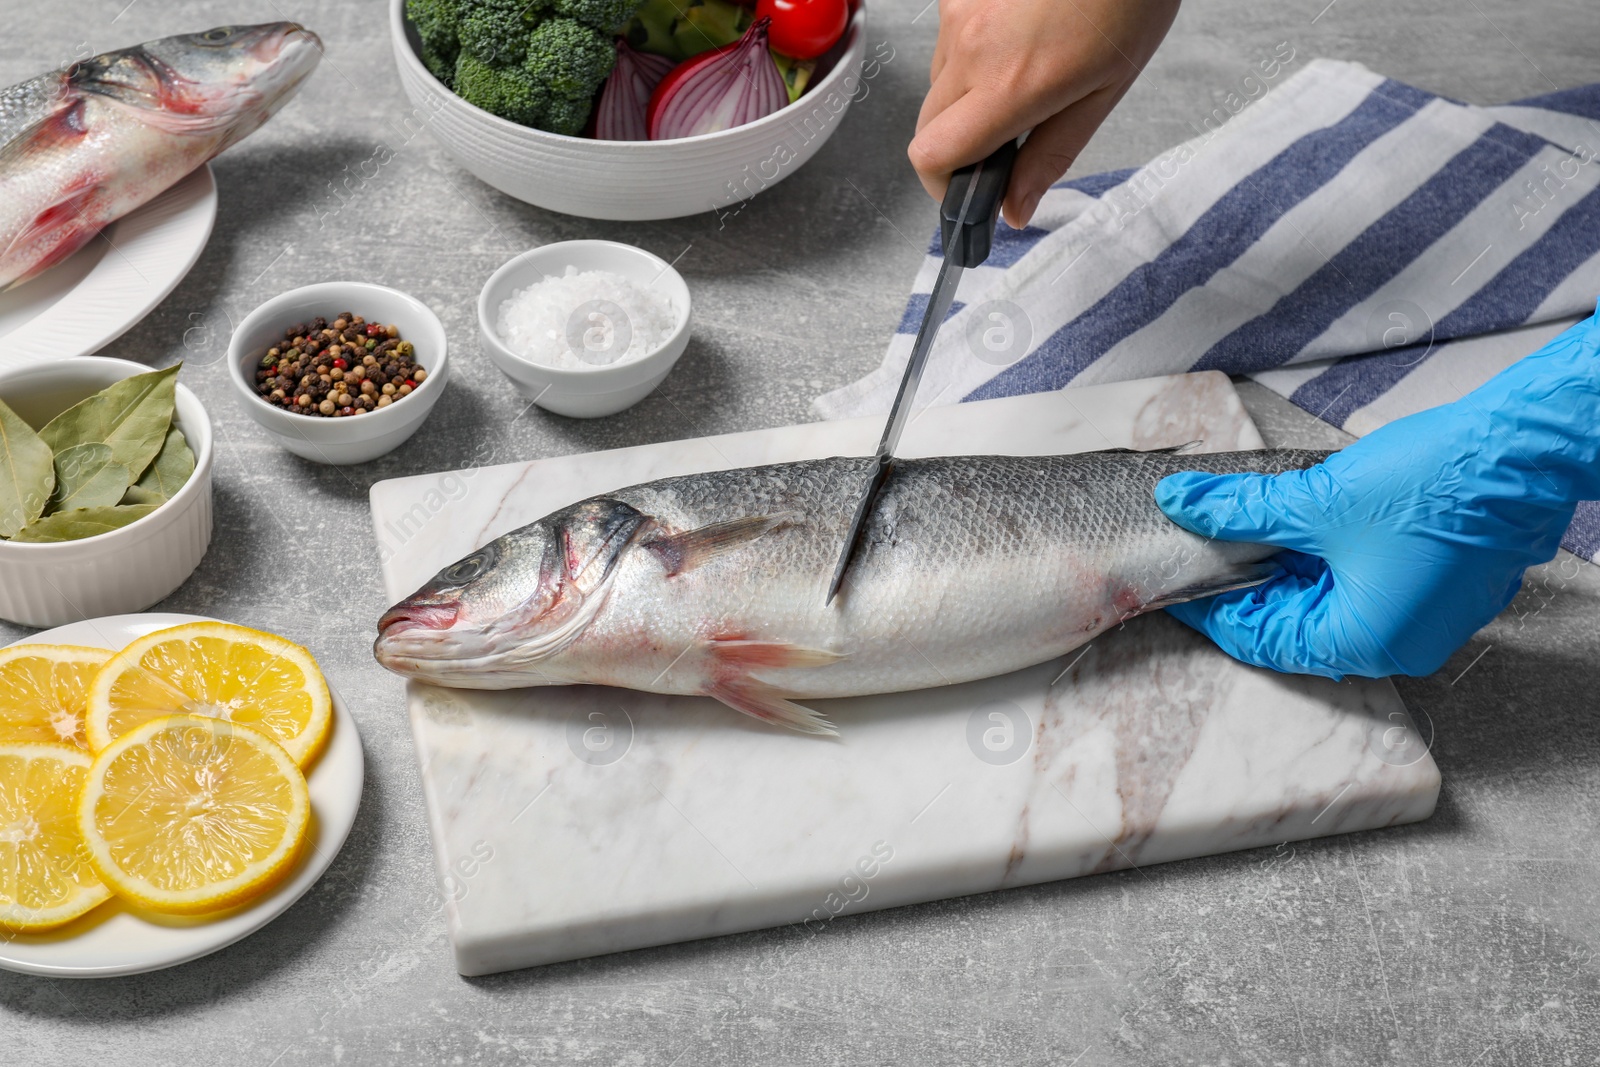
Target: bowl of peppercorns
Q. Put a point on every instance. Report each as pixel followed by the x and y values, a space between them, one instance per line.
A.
pixel 339 372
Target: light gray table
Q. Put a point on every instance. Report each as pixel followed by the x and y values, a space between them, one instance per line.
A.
pixel 1468 939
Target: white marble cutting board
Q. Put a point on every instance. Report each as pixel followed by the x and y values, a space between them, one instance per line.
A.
pixel 570 822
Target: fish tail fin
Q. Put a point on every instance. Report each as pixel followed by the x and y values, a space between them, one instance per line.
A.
pixel 734 683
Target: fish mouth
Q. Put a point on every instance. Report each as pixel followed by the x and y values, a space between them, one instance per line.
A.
pixel 404 617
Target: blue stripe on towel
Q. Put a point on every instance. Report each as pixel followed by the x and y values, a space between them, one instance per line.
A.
pixel 917 307
pixel 1379 253
pixel 1231 225
pixel 1508 299
pixel 1583 101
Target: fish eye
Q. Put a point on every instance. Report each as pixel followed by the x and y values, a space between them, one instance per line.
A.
pixel 466 570
pixel 221 33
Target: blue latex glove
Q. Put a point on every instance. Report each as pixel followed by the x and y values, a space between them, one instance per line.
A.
pixel 1404 544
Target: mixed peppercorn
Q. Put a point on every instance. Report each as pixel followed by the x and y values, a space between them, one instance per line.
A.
pixel 333 369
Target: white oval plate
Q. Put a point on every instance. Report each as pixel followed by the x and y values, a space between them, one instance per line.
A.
pixel 115 940
pixel 80 306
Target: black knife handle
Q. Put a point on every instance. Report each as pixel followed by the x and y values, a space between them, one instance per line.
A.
pixel 967 237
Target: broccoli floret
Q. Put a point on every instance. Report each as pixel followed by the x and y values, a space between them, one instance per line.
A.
pixel 435 21
pixel 607 15
pixel 510 93
pixel 565 116
pixel 496 31
pixel 569 58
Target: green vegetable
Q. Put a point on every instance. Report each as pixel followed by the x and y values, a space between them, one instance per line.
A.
pixel 104 462
pixel 605 15
pixel 796 73
pixel 496 31
pixel 650 29
pixel 679 29
pixel 710 24
pixel 27 476
pixel 566 116
pixel 82 522
pixel 512 94
pixel 435 21
pixel 536 62
pixel 569 58
pixel 87 477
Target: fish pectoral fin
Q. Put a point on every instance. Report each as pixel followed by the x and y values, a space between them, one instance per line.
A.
pixel 1242 578
pixel 737 655
pixel 767 703
pixel 679 552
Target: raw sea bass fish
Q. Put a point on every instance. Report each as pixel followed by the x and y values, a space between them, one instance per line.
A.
pixel 81 147
pixel 713 584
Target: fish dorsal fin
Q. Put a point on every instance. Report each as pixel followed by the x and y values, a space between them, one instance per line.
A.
pixel 1167 450
pixel 679 552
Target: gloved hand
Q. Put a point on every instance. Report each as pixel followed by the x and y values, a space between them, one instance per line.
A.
pixel 1405 543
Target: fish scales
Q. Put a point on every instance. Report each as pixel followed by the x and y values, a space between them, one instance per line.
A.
pixel 714 583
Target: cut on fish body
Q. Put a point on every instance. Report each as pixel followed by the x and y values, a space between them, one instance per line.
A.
pixel 713 584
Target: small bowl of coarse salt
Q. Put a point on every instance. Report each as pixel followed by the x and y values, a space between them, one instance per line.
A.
pixel 585 328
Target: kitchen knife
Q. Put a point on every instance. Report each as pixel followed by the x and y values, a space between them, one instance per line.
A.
pixel 968 215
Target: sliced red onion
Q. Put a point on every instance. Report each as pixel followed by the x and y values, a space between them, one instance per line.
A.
pixel 719 89
pixel 624 109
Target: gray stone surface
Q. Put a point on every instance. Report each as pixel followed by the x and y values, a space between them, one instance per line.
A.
pixel 1468 939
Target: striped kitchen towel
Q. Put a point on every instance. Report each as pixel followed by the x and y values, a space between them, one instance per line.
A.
pixel 1360 246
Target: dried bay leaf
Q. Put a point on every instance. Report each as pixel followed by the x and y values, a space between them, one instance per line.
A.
pixel 132 416
pixel 87 477
pixel 172 467
pixel 79 523
pixel 27 474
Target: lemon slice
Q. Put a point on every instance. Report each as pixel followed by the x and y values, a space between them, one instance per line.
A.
pixel 44 879
pixel 43 689
pixel 189 814
pixel 215 669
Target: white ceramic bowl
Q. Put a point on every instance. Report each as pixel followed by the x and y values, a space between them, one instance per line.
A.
pixel 348 440
pixel 630 179
pixel 122 571
pixel 590 391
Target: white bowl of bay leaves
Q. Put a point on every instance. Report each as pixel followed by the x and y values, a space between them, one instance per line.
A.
pixel 105 489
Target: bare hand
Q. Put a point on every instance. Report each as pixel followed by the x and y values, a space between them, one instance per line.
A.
pixel 1001 67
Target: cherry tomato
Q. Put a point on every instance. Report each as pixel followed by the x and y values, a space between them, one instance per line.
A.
pixel 804 29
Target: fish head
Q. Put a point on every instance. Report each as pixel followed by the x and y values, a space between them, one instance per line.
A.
pixel 224 81
pixel 501 617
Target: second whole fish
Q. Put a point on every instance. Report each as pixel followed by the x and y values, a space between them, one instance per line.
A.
pixel 713 584
pixel 82 146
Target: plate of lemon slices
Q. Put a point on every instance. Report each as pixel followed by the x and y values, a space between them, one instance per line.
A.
pixel 168 785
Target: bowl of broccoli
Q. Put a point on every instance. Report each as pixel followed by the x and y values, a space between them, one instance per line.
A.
pixel 507 87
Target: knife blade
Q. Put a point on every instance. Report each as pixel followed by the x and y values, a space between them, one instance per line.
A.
pixel 967 219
